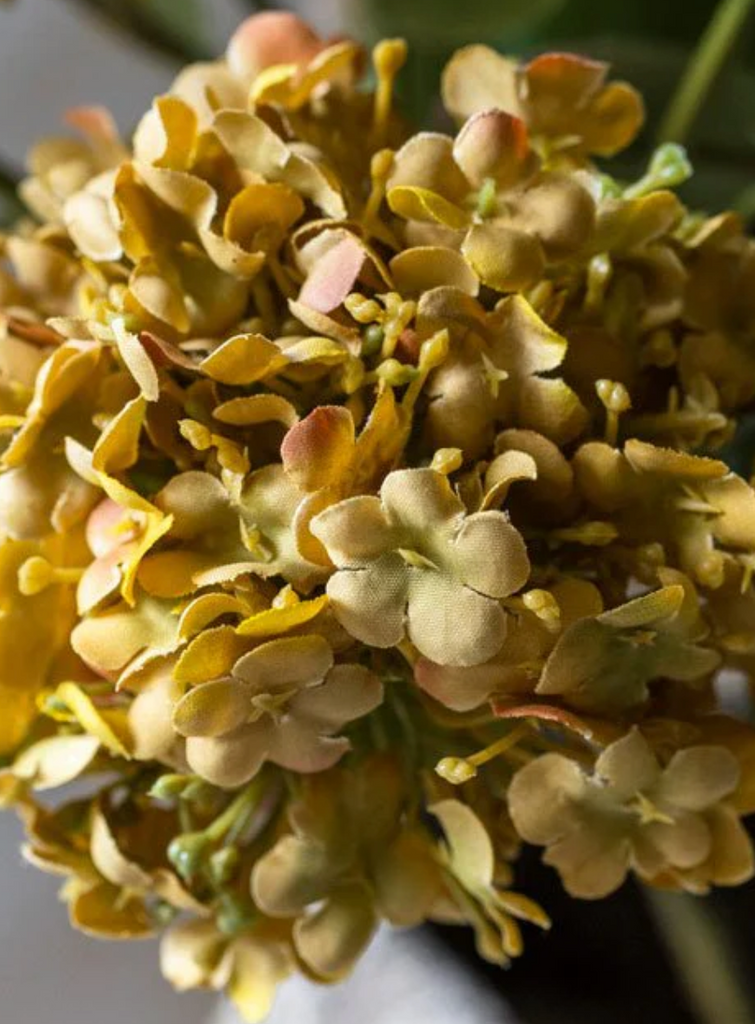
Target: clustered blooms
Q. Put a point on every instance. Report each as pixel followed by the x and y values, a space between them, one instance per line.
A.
pixel 361 515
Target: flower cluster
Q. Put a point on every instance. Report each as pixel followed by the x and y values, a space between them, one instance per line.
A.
pixel 360 509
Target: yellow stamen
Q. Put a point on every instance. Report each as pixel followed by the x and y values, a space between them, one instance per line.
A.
pixel 389 56
pixel 37 574
pixel 544 605
pixel 447 460
pixel 380 169
pixel 616 400
pixel 595 534
pixel 461 769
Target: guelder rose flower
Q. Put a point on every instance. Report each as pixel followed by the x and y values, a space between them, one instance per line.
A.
pixel 412 562
pixel 561 97
pixel 484 193
pixel 283 703
pixel 632 813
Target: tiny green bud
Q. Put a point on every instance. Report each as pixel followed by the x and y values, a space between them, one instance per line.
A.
pixel 163 913
pixel 233 914
pixel 395 373
pixel 372 339
pixel 669 166
pixel 187 852
pixel 195 791
pixel 168 787
pixel 223 864
pixel 486 199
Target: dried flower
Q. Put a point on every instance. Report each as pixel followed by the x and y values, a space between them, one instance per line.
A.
pixel 359 510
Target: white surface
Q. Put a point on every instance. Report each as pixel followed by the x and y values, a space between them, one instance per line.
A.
pixel 404 978
pixel 55 54
pixel 50 974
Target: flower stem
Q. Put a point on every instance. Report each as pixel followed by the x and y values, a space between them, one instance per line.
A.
pixel 701 950
pixel 703 67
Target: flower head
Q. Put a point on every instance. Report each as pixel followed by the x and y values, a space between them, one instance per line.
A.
pixel 412 563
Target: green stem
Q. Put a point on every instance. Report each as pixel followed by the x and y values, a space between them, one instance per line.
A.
pixel 702 953
pixel 234 818
pixel 703 68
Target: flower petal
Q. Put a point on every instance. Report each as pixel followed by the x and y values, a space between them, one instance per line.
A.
pixel 503 258
pixel 212 709
pixel 490 555
pixel 369 603
pixel 451 624
pixel 349 692
pixel 231 760
pixel 354 531
pixel 331 940
pixel 698 777
pixel 288 662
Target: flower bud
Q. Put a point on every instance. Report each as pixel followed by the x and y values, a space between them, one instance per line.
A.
pixel 187 852
pixel 455 770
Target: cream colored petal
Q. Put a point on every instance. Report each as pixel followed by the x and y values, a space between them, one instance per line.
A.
pixel 490 555
pixel 331 940
pixel 285 663
pixel 55 761
pixel 426 161
pixel 370 603
pixel 243 359
pixel 477 78
pixel 296 745
pixel 628 766
pixel 90 223
pixel 698 777
pixel 558 210
pixel 270 38
pixel 684 843
pixel 505 259
pixel 212 709
pixel 151 723
pixel 461 689
pixel 592 864
pixel 334 276
pixel 420 500
pixel 523 341
pixel 259 966
pixel 230 761
pixel 450 623
pixel 731 859
pixel 470 850
pixel 423 267
pixel 349 692
pixel 197 501
pixel 110 861
pixel 407 879
pixel 354 531
pixel 318 451
pixel 250 410
pixel 189 953
pixel 494 145
pixel 542 798
pixel 552 408
pixel 293 874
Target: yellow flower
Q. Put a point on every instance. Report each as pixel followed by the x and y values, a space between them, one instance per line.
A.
pixel 249 967
pixel 629 813
pixel 563 98
pixel 349 858
pixel 483 193
pixel 411 562
pixel 283 702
